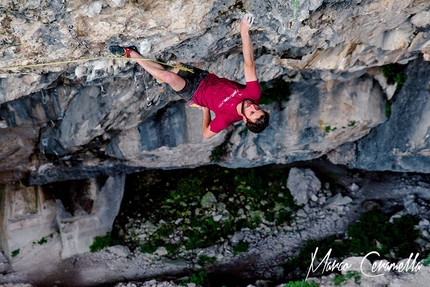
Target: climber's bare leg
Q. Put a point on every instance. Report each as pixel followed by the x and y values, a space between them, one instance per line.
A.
pixel 159 73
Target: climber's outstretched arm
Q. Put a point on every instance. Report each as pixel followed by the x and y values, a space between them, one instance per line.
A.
pixel 207 133
pixel 247 49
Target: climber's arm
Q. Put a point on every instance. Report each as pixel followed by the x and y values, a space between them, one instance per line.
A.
pixel 207 133
pixel 247 49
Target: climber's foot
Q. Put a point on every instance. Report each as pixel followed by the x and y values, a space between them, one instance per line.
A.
pixel 122 51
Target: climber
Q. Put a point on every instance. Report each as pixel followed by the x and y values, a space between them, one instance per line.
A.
pixel 229 100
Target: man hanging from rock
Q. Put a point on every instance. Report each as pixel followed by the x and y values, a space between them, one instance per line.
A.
pixel 229 100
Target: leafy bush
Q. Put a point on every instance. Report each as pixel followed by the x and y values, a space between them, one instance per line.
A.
pixel 426 262
pixel 15 252
pixel 387 110
pixel 277 90
pixel 241 247
pixel 394 73
pixel 101 242
pixel 206 260
pixel 200 279
pixel 42 241
pixel 373 226
pixel 354 275
pixel 217 153
pixel 148 247
pixel 340 280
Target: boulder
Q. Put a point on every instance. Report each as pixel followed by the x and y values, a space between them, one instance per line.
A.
pixel 302 184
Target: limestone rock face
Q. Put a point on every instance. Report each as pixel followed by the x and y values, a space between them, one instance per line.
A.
pixel 303 184
pixel 77 211
pixel 403 142
pixel 98 116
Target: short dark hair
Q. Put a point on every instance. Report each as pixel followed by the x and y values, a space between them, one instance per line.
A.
pixel 260 124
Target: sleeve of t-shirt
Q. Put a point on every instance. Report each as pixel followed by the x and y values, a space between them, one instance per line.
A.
pixel 217 125
pixel 253 90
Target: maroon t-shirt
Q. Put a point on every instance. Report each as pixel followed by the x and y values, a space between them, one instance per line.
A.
pixel 222 96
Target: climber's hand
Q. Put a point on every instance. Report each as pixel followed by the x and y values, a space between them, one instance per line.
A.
pixel 246 23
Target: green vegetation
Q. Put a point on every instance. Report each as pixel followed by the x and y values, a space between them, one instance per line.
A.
pixel 302 283
pixel 185 209
pixel 241 247
pixel 101 242
pixel 329 129
pixel 387 110
pixel 277 90
pixel 354 275
pixel 373 226
pixel 394 73
pixel 15 252
pixel 220 151
pixel 42 241
pixel 148 247
pixel 340 280
pixel 205 260
pixel 200 279
pixel 372 232
pixel 426 262
pixel 243 131
pixel 217 153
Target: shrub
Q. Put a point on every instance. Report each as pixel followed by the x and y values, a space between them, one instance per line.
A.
pixel 426 262
pixel 42 241
pixel 373 225
pixel 394 73
pixel 217 153
pixel 339 280
pixel 148 247
pixel 387 110
pixel 200 279
pixel 351 123
pixel 101 242
pixel 277 90
pixel 206 260
pixel 15 252
pixel 241 247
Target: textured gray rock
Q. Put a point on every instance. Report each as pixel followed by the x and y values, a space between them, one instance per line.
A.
pixel 103 118
pixel 403 142
pixel 208 199
pixel 119 250
pixel 29 218
pixel 337 200
pixel 303 184
pixel 74 122
pixel 78 231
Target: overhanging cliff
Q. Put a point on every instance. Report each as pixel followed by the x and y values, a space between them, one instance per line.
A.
pixel 102 117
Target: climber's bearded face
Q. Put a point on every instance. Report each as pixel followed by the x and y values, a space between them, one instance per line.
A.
pixel 251 110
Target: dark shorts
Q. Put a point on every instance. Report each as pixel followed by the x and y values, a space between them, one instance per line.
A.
pixel 192 81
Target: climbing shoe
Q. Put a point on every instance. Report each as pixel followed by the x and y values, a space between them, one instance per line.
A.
pixel 122 51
